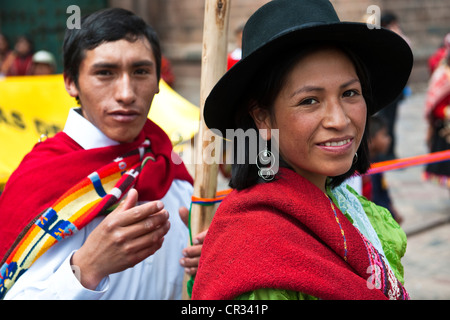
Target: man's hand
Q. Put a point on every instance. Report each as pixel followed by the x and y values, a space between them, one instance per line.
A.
pixel 191 255
pixel 124 238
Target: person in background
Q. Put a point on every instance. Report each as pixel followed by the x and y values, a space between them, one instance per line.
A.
pixel 44 63
pixel 390 21
pixel 4 50
pixel 166 71
pixel 375 187
pixel 437 114
pixel 236 54
pixel 19 62
pixel 439 55
pixel 232 58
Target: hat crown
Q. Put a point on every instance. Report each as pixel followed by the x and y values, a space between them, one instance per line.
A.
pixel 279 17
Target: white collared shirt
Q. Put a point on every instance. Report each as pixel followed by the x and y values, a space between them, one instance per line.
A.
pixel 160 276
pixel 85 133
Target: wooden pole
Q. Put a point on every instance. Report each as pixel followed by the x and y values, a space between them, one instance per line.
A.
pixel 214 65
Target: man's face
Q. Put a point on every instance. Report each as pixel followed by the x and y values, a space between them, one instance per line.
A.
pixel 116 85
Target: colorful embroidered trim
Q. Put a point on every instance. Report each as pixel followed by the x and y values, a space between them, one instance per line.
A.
pixel 342 230
pixel 381 276
pixel 94 195
pixel 220 195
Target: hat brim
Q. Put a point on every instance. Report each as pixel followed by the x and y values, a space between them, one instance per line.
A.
pixel 386 55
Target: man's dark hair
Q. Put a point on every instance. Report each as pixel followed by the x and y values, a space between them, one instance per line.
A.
pixel 106 26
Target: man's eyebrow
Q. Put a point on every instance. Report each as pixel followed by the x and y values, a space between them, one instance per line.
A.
pixel 109 65
pixel 143 63
pixel 106 65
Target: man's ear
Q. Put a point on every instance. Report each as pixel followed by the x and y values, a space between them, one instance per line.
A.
pixel 71 87
pixel 263 121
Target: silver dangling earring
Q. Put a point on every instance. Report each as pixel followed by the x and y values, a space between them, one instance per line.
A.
pixel 266 157
pixel 355 158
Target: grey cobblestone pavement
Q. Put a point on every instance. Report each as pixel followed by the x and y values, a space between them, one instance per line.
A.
pixel 425 208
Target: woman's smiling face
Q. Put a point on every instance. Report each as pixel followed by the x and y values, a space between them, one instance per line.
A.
pixel 320 113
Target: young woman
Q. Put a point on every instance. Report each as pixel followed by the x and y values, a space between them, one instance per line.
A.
pixel 307 82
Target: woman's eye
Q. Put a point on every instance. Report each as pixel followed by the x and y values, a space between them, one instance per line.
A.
pixel 308 101
pixel 350 93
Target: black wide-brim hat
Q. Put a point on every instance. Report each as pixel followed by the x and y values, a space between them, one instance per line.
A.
pixel 282 25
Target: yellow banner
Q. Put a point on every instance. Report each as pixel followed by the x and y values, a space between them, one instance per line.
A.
pixel 38 105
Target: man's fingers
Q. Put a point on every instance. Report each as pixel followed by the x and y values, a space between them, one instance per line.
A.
pixel 200 237
pixel 131 199
pixel 184 215
pixel 148 225
pixel 129 202
pixel 148 243
pixel 129 213
pixel 191 255
pixel 190 265
pixel 192 251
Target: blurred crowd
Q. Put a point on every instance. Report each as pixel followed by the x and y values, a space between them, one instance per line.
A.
pixel 20 59
pixel 437 112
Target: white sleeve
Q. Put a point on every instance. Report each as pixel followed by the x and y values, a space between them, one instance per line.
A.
pixel 52 277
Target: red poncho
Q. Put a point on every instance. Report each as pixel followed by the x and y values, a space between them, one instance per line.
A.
pixel 286 235
pixel 54 166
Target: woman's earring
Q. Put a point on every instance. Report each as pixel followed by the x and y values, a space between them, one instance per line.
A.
pixel 266 157
pixel 355 159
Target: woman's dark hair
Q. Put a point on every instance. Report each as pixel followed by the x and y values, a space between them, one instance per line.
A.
pixel 262 93
pixel 106 26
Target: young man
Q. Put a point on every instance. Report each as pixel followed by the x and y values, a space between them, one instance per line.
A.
pixel 63 235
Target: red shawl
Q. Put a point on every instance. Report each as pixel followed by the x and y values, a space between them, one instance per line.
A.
pixel 57 164
pixel 285 235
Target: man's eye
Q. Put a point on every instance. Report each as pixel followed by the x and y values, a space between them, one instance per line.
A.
pixel 103 73
pixel 142 72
